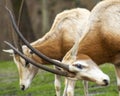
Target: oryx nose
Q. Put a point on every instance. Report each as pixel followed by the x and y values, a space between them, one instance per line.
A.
pixel 22 87
pixel 106 82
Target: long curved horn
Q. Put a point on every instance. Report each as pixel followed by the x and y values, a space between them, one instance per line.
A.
pixel 59 64
pixel 58 72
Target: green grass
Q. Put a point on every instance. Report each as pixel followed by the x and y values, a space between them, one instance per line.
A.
pixel 43 83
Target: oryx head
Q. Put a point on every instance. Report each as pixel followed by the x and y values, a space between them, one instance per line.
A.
pixel 86 69
pixel 26 70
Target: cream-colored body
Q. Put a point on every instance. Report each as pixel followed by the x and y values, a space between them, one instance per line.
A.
pixel 101 41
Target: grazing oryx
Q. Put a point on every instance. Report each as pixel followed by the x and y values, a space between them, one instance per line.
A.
pixel 101 41
pixel 73 70
pixel 66 28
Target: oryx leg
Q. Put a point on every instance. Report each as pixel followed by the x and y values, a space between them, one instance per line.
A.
pixel 118 77
pixel 85 83
pixel 57 83
pixel 69 87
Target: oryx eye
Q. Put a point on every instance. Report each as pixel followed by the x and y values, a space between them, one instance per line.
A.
pixel 27 64
pixel 79 66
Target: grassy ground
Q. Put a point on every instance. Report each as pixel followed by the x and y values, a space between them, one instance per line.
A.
pixel 43 85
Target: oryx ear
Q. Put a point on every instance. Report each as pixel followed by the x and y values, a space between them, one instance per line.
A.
pixel 9 51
